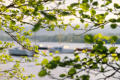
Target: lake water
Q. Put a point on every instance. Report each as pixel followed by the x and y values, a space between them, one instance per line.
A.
pixel 31 68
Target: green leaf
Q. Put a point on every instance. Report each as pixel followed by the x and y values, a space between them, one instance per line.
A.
pixel 95 3
pixel 84 1
pixel 113 20
pixel 91 0
pixel 36 27
pixel 85 16
pixel 82 20
pixel 44 61
pixel 22 1
pixel 62 75
pixel 49 16
pixel 102 26
pixel 81 12
pixel 64 13
pixel 77 26
pixel 42 73
pixel 72 71
pixel 102 69
pixel 112 49
pixel 108 2
pixel 88 38
pixel 0 42
pixel 100 16
pixel 56 58
pixel 77 66
pixel 74 4
pixel 105 60
pixel 106 13
pixel 12 22
pixel 93 12
pixel 85 6
pixel 85 77
pixel 116 5
pixel 86 25
pixel 51 65
pixel 118 20
pixel 113 26
pixel 40 7
pixel 114 38
pixel 94 66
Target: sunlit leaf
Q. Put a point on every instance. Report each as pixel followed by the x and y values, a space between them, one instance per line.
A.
pixel 44 61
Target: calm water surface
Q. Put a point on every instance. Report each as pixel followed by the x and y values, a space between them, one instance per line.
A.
pixel 31 68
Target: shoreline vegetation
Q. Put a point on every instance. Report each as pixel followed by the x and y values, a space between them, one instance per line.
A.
pixel 68 38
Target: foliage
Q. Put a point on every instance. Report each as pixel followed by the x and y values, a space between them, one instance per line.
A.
pixel 98 59
pixel 15 14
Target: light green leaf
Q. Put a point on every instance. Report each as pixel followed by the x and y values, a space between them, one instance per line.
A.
pixel 44 61
pixel 85 6
pixel 93 12
pixel 86 25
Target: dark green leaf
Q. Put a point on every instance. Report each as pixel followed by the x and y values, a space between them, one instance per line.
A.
pixel 85 16
pixel 88 38
pixel 36 27
pixel 62 64
pixel 94 66
pixel 62 75
pixel 91 0
pixel 82 20
pixel 72 71
pixel 85 77
pixel 116 5
pixel 115 38
pixel 113 20
pixel 49 16
pixel 102 69
pixel 42 73
pixel 81 12
pixel 74 4
pixel 93 12
pixel 65 13
pixel 95 3
pixel 51 65
pixel 118 20
pixel 77 66
pixel 84 1
pixel 113 26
